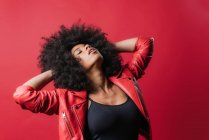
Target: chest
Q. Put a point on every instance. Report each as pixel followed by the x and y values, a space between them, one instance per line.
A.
pixel 115 96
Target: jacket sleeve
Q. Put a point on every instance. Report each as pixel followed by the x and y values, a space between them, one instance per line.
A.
pixel 43 101
pixel 141 56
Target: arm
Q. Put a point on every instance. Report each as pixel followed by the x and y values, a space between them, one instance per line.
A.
pixel 127 45
pixel 30 97
pixel 142 48
pixel 40 80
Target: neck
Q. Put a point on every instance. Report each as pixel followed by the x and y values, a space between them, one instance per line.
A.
pixel 100 82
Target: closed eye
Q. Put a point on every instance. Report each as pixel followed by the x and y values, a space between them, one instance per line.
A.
pixel 79 52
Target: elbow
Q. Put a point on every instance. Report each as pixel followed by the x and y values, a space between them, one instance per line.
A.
pixel 145 41
pixel 22 93
pixel 150 46
pixel 151 42
pixel 152 39
pixel 17 97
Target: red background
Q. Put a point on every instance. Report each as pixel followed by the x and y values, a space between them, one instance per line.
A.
pixel 175 86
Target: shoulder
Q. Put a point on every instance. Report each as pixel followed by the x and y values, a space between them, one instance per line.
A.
pixel 63 90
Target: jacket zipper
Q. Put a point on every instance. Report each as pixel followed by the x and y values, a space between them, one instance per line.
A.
pixel 76 118
pixel 67 123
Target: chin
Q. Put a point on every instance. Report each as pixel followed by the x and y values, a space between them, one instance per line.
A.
pixel 95 63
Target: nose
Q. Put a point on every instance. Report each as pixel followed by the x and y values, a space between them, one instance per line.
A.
pixel 87 46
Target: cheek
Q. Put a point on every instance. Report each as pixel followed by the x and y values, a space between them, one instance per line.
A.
pixel 78 59
pixel 82 60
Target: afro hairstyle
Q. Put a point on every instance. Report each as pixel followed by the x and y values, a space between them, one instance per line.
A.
pixel 67 72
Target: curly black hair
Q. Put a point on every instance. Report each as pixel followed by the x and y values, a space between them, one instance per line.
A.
pixel 67 72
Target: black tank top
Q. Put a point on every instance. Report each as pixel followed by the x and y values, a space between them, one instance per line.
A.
pixel 113 122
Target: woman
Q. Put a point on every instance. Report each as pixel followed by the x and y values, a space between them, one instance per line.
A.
pixel 95 96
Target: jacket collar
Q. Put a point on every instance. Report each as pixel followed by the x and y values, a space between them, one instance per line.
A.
pixel 127 84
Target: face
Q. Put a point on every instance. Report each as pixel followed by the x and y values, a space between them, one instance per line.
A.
pixel 87 55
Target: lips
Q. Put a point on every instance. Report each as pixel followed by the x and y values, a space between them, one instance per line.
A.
pixel 91 50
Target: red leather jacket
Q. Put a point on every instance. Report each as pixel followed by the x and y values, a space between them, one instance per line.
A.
pixel 71 106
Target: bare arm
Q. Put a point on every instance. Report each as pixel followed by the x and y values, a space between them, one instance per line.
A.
pixel 127 45
pixel 40 80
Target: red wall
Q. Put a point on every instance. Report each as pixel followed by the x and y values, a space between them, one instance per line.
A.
pixel 175 86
